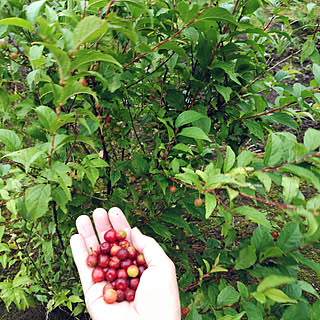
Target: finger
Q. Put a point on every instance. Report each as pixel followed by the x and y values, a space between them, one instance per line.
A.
pixel 153 253
pixel 80 253
pixel 87 232
pixel 119 221
pixel 101 222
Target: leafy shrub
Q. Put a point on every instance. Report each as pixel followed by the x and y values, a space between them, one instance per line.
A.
pixel 110 105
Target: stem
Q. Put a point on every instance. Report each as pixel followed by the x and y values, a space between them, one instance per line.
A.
pixel 76 133
pixel 109 7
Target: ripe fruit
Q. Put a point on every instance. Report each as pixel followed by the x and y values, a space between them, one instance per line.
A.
pixel 124 244
pixel 122 254
pixel 122 273
pixel 173 189
pixel 121 284
pixel 105 247
pixel 140 259
pixel 108 120
pixel 111 274
pixel 132 252
pixel 13 55
pixel 103 260
pixel 120 294
pixel 92 260
pixel 129 294
pixel 110 236
pixel 107 286
pixel 198 202
pixel 275 234
pixel 98 275
pixel 133 283
pixel 185 311
pixel 121 235
pixel 83 82
pixel 114 262
pixel 133 271
pixel 125 264
pixel 110 296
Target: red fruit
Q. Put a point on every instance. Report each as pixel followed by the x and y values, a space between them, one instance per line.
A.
pixel 98 275
pixel 105 247
pixel 92 260
pixel 125 264
pixel 120 294
pixel 110 236
pixel 122 254
pixel 121 235
pixel 108 120
pixel 124 244
pixel 173 189
pixel 133 271
pixel 83 81
pixel 99 107
pixel 106 287
pixel 133 283
pixel 132 252
pixel 103 260
pixel 129 294
pixel 110 296
pixel 122 273
pixel 114 262
pixel 185 311
pixel 140 259
pixel 275 234
pixel 121 284
pixel 141 270
pixel 111 274
pixel 114 250
pixel 198 202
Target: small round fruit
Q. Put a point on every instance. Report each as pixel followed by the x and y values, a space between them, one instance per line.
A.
pixel 105 247
pixel 92 260
pixel 13 55
pixel 98 275
pixel 140 259
pixel 99 107
pixel 108 120
pixel 3 44
pixel 121 235
pixel 142 269
pixel 173 189
pixel 110 236
pixel 121 284
pixel 132 252
pixel 110 296
pixel 185 311
pixel 120 294
pixel 122 254
pixel 103 260
pixel 114 262
pixel 83 82
pixel 133 271
pixel 129 294
pixel 275 234
pixel 198 202
pixel 106 287
pixel 124 244
pixel 125 264
pixel 133 283
pixel 111 274
pixel 114 250
pixel 122 274
pixel 244 90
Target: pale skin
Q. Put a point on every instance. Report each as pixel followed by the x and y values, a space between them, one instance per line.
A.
pixel 157 296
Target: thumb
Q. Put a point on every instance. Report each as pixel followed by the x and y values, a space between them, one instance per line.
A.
pixel 151 250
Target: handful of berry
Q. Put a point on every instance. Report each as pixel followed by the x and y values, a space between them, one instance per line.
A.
pixel 120 264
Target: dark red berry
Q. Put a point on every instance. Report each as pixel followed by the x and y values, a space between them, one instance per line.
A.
pixel 122 273
pixel 120 294
pixel 111 274
pixel 114 262
pixel 185 311
pixel 121 284
pixel 125 264
pixel 122 254
pixel 114 250
pixel 98 275
pixel 275 234
pixel 141 270
pixel 92 260
pixel 133 283
pixel 105 247
pixel 110 236
pixel 103 260
pixel 129 294
pixel 108 120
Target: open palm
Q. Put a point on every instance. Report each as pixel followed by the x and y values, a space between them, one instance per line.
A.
pixel 157 296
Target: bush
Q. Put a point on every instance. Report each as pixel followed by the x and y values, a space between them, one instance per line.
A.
pixel 111 105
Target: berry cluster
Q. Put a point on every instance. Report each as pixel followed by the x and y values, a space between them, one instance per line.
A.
pixel 120 264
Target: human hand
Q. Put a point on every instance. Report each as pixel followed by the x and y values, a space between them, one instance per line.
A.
pixel 157 296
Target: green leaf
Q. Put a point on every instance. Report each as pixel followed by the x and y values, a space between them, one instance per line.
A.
pixel 284 119
pixel 46 116
pixel 33 10
pixel 290 237
pixel 254 128
pixel 316 73
pixel 308 48
pixel 227 296
pixel 89 28
pixel 18 22
pixel 229 160
pixel 4 100
pixel 194 132
pixel 273 281
pixel 188 117
pixel 265 179
pixel 160 229
pixel 306 262
pixel 311 139
pixel 244 293
pixel 10 139
pixel 307 287
pixel 92 174
pixel 253 312
pixel 85 56
pixel 261 238
pixel 247 258
pixel 115 176
pixel 311 219
pixel 253 215
pixel 170 45
pixel 73 88
pixel 290 188
pixel 224 91
pixel 245 158
pixel 173 216
pixel 217 14
pixel 37 199
pixel 210 204
pixel 60 121
pixel 278 296
pixel 273 252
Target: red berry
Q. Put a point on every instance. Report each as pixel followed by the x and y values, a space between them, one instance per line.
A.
pixel 83 81
pixel 132 252
pixel 198 202
pixel 103 260
pixel 98 275
pixel 121 235
pixel 110 296
pixel 122 254
pixel 106 287
pixel 124 244
pixel 125 264
pixel 120 294
pixel 140 259
pixel 129 294
pixel 122 273
pixel 108 120
pixel 121 284
pixel 275 234
pixel 133 283
pixel 110 236
pixel 105 247
pixel 133 271
pixel 114 262
pixel 185 311
pixel 111 274
pixel 99 107
pixel 141 270
pixel 114 250
pixel 173 189
pixel 92 260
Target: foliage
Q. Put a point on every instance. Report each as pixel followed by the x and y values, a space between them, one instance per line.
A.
pixel 175 93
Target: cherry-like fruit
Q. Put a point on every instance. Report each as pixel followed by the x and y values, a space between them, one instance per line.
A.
pixel 110 236
pixel 110 296
pixel 97 275
pixel 275 234
pixel 198 202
